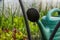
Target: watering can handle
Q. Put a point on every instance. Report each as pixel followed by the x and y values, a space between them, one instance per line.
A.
pixel 50 13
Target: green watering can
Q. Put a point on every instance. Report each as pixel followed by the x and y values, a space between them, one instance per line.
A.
pixel 47 24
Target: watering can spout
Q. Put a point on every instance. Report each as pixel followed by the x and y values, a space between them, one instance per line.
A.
pixel 33 15
pixel 44 30
pixel 47 24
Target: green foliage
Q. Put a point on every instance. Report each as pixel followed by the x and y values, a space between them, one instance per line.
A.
pixel 10 20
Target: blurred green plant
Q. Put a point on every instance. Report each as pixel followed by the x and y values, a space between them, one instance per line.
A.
pixel 10 20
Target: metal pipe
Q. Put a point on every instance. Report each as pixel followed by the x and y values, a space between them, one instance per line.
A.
pixel 26 20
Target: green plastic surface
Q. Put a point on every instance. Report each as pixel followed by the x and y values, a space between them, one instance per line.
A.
pixel 50 22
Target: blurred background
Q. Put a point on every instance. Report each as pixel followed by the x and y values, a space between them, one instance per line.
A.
pixel 12 24
pixel 31 3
